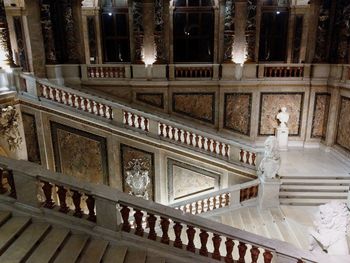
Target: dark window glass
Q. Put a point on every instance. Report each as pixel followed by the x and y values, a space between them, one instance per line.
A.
pixel 193 32
pixel 273 36
pixel 180 2
pixel 116 35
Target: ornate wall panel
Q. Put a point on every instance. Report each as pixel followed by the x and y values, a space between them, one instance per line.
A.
pixel 343 138
pixel 80 154
pixel 186 180
pixel 270 105
pixel 237 112
pixel 199 105
pixel 320 117
pixel 153 99
pixel 31 138
pixel 128 154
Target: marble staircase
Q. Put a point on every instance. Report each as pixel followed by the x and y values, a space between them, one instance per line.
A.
pixel 312 190
pixel 23 239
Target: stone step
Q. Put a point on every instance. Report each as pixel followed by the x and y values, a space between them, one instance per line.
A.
pixel 306 201
pixel 319 188
pixel 314 194
pixel 271 225
pixel 115 254
pixel 135 256
pixel 154 259
pixel 4 216
pixel 72 249
pixel 313 182
pixel 11 230
pixel 316 177
pixel 94 251
pixel 50 246
pixel 22 247
pixel 258 222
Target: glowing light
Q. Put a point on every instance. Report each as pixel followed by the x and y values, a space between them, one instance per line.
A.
pixel 110 14
pixel 278 12
pixel 239 54
pixel 148 55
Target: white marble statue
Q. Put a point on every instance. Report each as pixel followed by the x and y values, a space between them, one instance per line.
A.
pixel 283 117
pixel 331 228
pixel 271 162
pixel 138 178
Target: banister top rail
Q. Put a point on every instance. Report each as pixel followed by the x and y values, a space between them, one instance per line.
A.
pixel 178 124
pixel 113 195
pixel 218 192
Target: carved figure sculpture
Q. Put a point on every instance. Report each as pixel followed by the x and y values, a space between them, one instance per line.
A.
pixel 9 127
pixel 331 227
pixel 271 162
pixel 283 117
pixel 138 178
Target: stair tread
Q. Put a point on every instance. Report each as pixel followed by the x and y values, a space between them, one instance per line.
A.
pixel 271 225
pixel 49 246
pixel 315 181
pixel 319 187
pixel 115 254
pixel 10 229
pixel 155 259
pixel 4 216
pixel 135 256
pixel 94 251
pixel 22 246
pixel 72 249
pixel 258 222
pixel 314 194
pixel 311 201
pixel 247 221
pixel 316 177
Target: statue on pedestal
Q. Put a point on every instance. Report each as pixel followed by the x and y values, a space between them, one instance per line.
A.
pixel 331 228
pixel 271 162
pixel 283 117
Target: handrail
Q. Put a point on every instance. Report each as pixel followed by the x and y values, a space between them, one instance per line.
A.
pixel 25 177
pixel 220 147
pixel 228 197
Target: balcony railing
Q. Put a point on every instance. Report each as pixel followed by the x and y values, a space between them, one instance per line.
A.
pixel 115 211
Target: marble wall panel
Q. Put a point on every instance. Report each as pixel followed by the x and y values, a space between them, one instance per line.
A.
pixel 197 105
pixel 129 153
pixel 80 154
pixel 153 99
pixel 343 138
pixel 320 117
pixel 185 180
pixel 31 137
pixel 270 105
pixel 237 112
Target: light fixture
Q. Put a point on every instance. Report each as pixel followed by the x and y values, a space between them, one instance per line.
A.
pixel 278 12
pixel 110 14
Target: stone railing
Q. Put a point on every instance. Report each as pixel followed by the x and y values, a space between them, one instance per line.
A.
pixel 105 71
pixel 193 71
pixel 283 70
pixel 230 197
pixel 192 139
pixel 66 197
pixel 151 125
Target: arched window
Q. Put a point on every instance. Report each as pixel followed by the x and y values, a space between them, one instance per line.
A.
pixel 193 30
pixel 115 31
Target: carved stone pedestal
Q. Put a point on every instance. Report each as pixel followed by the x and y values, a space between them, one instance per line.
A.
pixel 282 138
pixel 269 192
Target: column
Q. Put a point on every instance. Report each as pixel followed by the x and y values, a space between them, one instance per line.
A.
pixel 252 29
pixel 35 41
pixel 148 23
pixel 312 29
pixel 5 43
pixel 159 34
pixel 229 30
pixel 138 31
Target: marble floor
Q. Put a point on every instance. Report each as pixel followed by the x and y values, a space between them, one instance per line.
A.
pixel 312 163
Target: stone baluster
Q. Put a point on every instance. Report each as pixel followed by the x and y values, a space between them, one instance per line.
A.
pixel 47 189
pixel 125 216
pixel 77 202
pixel 164 222
pixel 177 230
pixel 267 256
pixel 216 243
pixel 204 239
pixel 242 248
pixel 229 248
pixel 161 127
pixel 62 194
pixel 254 251
pixel 90 203
pixel 190 236
pixel 2 188
pixel 11 182
pixel 138 219
pixel 151 220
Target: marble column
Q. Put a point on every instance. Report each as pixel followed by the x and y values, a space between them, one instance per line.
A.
pixel 240 45
pixel 229 30
pixel 148 22
pixel 159 36
pixel 252 29
pixel 5 43
pixel 77 30
pixel 138 31
pixel 313 18
pixel 333 117
pixel 35 41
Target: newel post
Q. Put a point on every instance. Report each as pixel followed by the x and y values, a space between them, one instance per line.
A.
pixel 26 189
pixel 269 190
pixel 107 214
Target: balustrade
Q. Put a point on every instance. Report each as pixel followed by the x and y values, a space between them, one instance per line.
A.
pixel 75 101
pixel 283 71
pixel 101 72
pixel 194 140
pixel 194 72
pixel 7 183
pixel 249 193
pixel 135 121
pixel 247 157
pixel 143 218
